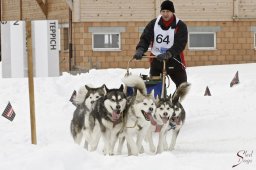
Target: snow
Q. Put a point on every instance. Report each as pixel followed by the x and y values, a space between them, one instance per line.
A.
pixel 217 127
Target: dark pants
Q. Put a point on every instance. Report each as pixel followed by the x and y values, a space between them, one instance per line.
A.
pixel 173 68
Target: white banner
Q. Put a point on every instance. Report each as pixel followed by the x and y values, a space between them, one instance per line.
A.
pixel 14 55
pixel 45 48
pixel 45 41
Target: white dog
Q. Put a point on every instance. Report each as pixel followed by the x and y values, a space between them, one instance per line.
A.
pixel 160 123
pixel 139 115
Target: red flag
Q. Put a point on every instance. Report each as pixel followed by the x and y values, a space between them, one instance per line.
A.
pixel 207 92
pixel 72 97
pixel 235 80
pixel 9 112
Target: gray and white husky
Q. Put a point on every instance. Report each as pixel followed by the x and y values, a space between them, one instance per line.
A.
pixel 139 115
pixel 108 115
pixel 177 119
pixel 85 101
pixel 160 123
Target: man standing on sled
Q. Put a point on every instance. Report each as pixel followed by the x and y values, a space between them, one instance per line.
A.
pixel 168 36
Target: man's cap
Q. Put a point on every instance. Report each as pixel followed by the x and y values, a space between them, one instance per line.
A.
pixel 167 5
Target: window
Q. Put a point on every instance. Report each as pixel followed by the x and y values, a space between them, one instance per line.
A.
pixel 65 39
pixel 106 38
pixel 253 29
pixel 202 40
pixel 64 27
pixel 106 41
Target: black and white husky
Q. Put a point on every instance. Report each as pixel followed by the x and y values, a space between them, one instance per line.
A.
pixel 169 115
pixel 139 115
pixel 108 115
pixel 85 101
pixel 178 118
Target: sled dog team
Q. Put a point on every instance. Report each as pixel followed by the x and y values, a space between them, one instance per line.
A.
pixel 114 116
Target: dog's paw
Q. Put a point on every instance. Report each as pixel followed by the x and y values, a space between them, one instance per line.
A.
pixel 159 150
pixel 141 149
pixel 133 154
pixel 134 151
pixel 93 148
pixel 152 149
pixel 171 148
pixel 104 151
pixel 166 147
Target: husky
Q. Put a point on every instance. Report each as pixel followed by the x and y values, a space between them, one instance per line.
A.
pixel 139 114
pixel 81 94
pixel 85 100
pixel 178 118
pixel 108 115
pixel 160 123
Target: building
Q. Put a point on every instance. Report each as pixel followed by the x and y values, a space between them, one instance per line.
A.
pixel 105 32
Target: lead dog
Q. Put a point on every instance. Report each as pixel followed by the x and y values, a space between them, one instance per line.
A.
pixel 160 123
pixel 85 100
pixel 139 114
pixel 179 115
pixel 108 115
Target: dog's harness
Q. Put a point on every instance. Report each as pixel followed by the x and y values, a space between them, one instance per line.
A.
pixel 173 124
pixel 135 125
pixel 136 122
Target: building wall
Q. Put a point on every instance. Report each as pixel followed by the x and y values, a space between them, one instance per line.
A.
pixel 12 10
pixel 235 40
pixel 235 44
pixel 29 9
pixel 144 10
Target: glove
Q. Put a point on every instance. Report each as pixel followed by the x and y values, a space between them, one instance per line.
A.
pixel 139 53
pixel 164 56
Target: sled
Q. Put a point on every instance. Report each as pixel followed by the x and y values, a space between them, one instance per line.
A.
pixel 156 83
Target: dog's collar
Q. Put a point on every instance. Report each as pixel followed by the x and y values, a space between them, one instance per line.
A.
pixel 135 124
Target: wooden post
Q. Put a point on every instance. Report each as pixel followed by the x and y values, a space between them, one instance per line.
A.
pixel 0 29
pixel 70 40
pixel 21 10
pixel 1 10
pixel 163 94
pixel 31 83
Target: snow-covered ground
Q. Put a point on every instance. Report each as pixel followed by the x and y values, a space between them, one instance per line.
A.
pixel 218 128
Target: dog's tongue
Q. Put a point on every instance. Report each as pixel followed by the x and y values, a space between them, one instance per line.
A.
pixel 164 119
pixel 116 115
pixel 153 122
